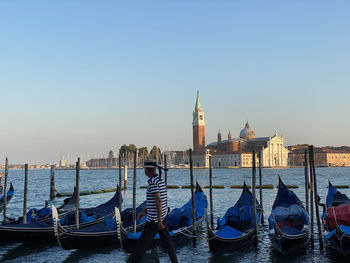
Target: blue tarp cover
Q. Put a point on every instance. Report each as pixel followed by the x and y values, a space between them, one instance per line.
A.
pixel 181 217
pixel 228 232
pixel 293 212
pixel 290 230
pixel 240 216
pixel 287 206
pixel 345 229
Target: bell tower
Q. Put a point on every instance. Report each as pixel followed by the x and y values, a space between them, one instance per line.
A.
pixel 198 126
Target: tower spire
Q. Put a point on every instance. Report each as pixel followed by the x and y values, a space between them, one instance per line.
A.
pixel 198 106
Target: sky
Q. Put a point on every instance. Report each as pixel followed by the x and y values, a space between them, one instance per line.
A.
pixel 80 78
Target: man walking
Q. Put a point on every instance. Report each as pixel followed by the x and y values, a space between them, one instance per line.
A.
pixel 156 212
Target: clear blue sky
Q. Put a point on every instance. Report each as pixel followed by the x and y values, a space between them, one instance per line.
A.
pixel 83 77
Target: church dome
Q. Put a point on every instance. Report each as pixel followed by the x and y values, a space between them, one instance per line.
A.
pixel 247 133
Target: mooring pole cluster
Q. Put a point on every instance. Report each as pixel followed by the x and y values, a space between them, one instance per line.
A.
pixel 315 197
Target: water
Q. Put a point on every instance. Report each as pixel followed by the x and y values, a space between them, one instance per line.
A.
pixel 223 198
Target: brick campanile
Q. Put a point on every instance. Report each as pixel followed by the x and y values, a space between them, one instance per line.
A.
pixel 198 126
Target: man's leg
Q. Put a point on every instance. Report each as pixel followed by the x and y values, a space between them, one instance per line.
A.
pixel 145 241
pixel 167 243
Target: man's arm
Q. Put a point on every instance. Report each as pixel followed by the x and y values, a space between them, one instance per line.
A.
pixel 141 214
pixel 159 210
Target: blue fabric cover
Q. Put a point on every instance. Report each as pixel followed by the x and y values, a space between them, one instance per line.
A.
pixel 293 212
pixel 240 216
pixel 345 229
pixel 330 195
pixel 110 222
pixel 181 217
pixel 287 206
pixel 290 230
pixel 228 232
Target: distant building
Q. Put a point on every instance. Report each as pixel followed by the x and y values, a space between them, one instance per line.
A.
pixel 109 162
pixel 235 152
pixel 324 156
pixel 62 162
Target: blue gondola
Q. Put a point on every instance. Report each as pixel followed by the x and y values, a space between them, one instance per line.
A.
pixel 39 226
pixel 336 218
pixel 98 235
pixel 236 229
pixel 179 223
pixel 10 194
pixel 288 222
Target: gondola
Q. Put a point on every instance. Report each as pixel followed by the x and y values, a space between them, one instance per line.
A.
pixel 336 220
pixel 288 222
pixel 236 229
pixel 41 228
pixel 98 235
pixel 179 224
pixel 10 194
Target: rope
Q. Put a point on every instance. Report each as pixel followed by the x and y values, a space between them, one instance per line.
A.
pixel 335 217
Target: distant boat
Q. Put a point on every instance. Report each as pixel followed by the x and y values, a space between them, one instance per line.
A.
pixel 236 229
pixel 10 194
pixel 336 220
pixel 288 222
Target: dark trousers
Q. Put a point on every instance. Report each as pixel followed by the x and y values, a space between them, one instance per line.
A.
pixel 146 239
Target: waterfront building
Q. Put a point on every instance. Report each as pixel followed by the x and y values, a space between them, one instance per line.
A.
pixel 235 152
pixel 324 156
pixel 62 162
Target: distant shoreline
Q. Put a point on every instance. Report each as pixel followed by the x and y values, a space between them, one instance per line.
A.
pixel 181 168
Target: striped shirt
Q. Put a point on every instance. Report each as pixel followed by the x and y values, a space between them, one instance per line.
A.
pixel 156 185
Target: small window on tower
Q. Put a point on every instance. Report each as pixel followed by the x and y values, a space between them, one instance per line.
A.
pixel 201 117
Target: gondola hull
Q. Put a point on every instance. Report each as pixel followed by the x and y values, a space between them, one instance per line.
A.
pixel 26 234
pixel 287 244
pixel 76 240
pixel 180 237
pixel 12 233
pixel 340 242
pixel 88 239
pixel 218 245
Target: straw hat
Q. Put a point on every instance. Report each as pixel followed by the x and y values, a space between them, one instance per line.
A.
pixel 150 163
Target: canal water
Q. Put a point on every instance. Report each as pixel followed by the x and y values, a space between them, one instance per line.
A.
pixel 223 199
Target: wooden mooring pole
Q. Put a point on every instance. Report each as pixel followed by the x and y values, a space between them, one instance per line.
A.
pixel 254 193
pixel 125 176
pixel 260 188
pixel 311 148
pixel 311 202
pixel 211 193
pixel 120 181
pixel 77 185
pixel 165 171
pixel 5 190
pixel 306 182
pixel 194 229
pixel 52 182
pixel 134 194
pixel 25 193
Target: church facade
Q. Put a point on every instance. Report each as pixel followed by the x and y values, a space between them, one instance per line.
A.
pixel 235 152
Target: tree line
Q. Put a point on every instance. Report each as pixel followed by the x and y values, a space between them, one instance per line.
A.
pixel 127 153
